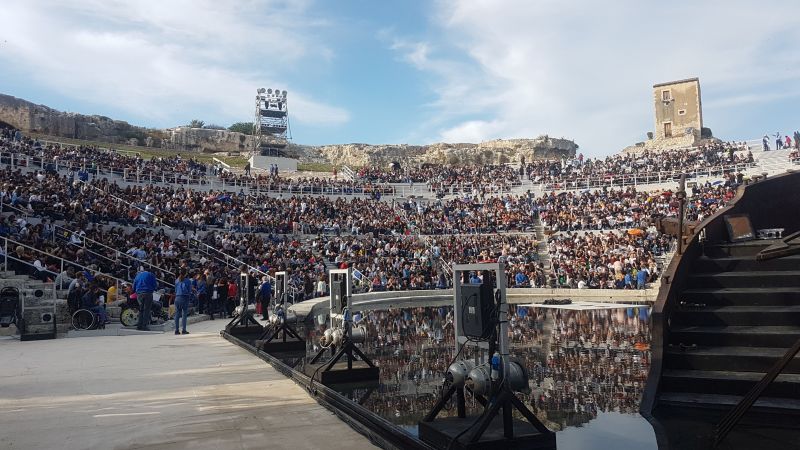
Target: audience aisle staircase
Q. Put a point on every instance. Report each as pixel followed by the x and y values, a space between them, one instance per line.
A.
pixel 541 248
pixel 735 318
pixel 772 162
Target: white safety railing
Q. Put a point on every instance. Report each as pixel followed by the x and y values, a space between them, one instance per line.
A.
pixel 67 234
pixel 348 173
pixel 638 179
pixel 64 263
pixel 223 182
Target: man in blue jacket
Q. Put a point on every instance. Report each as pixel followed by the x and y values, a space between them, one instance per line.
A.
pixel 144 284
pixel 183 292
pixel 265 295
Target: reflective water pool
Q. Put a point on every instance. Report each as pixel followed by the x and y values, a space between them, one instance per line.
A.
pixel 587 369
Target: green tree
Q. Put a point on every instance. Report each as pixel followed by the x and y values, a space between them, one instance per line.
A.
pixel 196 123
pixel 242 127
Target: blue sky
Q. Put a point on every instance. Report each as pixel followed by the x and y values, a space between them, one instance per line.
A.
pixel 410 71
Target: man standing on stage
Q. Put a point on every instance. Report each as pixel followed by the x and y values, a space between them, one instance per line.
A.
pixel 144 284
pixel 265 295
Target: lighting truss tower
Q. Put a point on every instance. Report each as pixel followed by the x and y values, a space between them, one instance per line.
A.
pixel 271 120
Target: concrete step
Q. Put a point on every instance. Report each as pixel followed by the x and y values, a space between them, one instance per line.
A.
pixel 110 330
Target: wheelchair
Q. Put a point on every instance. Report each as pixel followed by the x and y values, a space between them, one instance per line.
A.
pixel 83 319
pixel 129 315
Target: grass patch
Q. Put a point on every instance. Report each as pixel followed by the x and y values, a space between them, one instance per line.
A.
pixel 315 167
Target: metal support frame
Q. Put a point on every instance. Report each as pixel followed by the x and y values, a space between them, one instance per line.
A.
pixel 282 332
pixel 245 320
pixel 681 196
pixel 281 288
pixel 271 118
pixel 502 396
pixel 347 348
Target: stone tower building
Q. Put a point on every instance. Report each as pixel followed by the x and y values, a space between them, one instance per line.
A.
pixel 679 111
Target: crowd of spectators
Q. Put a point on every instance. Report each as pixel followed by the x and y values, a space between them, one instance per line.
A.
pixel 103 162
pixel 648 166
pixel 627 208
pixel 103 201
pixel 604 260
pixel 168 169
pixel 391 245
pixel 580 173
pixel 470 214
pixel 441 178
pixel 376 238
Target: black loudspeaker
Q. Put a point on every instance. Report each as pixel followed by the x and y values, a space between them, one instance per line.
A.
pixel 279 287
pixel 243 287
pixel 338 294
pixel 477 310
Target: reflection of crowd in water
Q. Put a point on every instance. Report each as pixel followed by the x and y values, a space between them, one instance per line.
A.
pixel 596 360
pixel 580 362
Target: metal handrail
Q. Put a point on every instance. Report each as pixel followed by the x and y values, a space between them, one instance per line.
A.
pixel 169 227
pixel 63 261
pixel 240 263
pixel 637 179
pixel 17 243
pixel 27 217
pixel 21 211
pixel 98 254
pixel 150 176
pixel 119 253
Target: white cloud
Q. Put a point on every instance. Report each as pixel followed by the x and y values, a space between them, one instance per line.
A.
pixel 585 69
pixel 415 53
pixel 167 61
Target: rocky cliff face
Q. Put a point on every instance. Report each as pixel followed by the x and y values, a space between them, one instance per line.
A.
pixel 490 152
pixel 29 117
pixel 206 140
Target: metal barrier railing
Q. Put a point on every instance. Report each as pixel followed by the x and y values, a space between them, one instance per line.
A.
pixel 625 180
